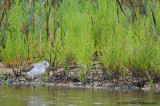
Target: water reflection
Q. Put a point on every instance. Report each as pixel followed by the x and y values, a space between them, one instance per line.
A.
pixel 46 96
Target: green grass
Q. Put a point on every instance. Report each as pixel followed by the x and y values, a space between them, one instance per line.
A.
pixel 75 30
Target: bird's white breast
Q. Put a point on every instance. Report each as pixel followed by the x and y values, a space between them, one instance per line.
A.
pixel 36 72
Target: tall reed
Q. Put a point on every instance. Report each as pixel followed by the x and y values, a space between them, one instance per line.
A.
pixel 74 31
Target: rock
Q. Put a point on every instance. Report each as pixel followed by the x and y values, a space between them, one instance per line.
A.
pixel 146 88
pixel 124 87
pixel 116 88
pixel 69 78
pixel 139 84
pixel 157 86
pixel 31 83
pixel 131 87
pixel 71 74
pixel 76 80
pixel 15 83
pixel 22 82
pixel 22 79
pixel 89 80
pixel 27 83
pixel 112 86
pixel 99 85
pixel 12 77
pixel 51 80
pixel 58 77
pixel 10 81
pixel 79 84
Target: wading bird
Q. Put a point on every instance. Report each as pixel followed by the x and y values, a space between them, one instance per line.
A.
pixel 36 70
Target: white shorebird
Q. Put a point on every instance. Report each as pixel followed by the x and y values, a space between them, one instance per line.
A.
pixel 36 70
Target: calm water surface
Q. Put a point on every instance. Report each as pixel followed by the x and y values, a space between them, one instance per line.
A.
pixel 49 96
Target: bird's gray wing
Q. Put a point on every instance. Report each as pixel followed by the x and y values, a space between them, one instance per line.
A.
pixel 28 69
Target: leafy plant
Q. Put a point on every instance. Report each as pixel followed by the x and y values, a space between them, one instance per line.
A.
pixel 4 78
pixel 76 30
pixel 83 71
pixel 45 77
pixel 151 84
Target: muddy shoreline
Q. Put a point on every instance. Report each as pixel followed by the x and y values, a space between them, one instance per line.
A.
pixel 59 77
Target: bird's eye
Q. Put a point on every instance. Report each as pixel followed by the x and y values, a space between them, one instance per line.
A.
pixel 45 64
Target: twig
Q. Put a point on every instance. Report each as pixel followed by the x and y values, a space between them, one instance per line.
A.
pixel 126 16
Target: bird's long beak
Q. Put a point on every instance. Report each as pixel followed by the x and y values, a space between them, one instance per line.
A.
pixel 50 67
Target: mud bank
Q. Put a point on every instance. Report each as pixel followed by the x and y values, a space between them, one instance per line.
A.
pixel 96 78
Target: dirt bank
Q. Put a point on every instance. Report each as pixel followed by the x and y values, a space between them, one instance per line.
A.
pixel 96 78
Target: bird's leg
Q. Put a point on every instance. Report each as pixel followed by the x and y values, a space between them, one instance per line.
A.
pixel 32 79
pixel 36 82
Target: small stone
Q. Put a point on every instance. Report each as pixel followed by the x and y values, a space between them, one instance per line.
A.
pixel 26 83
pixel 31 83
pixel 52 80
pixel 89 80
pixel 146 88
pixel 116 88
pixel 22 79
pixel 157 86
pixel 22 82
pixel 15 83
pixel 124 87
pixel 112 86
pixel 131 87
pixel 10 81
pixel 80 84
pixel 76 80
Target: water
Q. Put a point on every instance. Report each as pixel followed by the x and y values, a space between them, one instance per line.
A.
pixel 49 96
